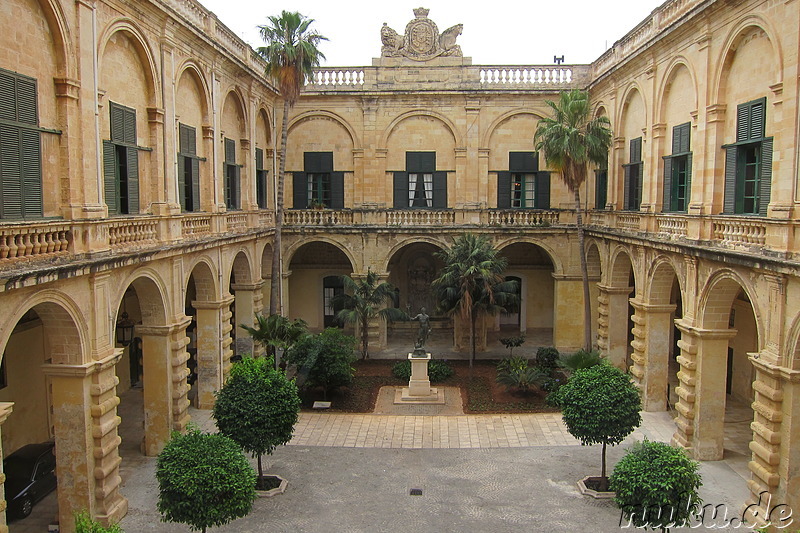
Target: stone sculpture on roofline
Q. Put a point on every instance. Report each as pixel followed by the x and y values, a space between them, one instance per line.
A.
pixel 421 41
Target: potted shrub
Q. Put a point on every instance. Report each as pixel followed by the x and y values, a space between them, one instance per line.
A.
pixel 600 405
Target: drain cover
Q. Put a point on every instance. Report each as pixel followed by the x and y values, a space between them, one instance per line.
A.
pixel 415 492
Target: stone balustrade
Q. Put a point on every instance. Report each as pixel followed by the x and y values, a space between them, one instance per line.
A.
pixel 46 239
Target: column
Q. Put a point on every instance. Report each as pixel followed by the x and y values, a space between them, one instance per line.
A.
pixel 652 328
pixel 5 410
pixel 248 302
pixel 213 348
pixel 84 401
pixel 568 320
pixel 612 323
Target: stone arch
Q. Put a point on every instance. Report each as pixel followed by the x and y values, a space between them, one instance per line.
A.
pixel 146 54
pixel 58 312
pixel 496 123
pixel 334 117
pixel 448 124
pixel 716 299
pixel 241 267
pixel 791 353
pixel 64 50
pixel 152 295
pixel 732 41
pixel 439 243
pixel 342 247
pixel 594 262
pixel 675 66
pixel 195 72
pixel 659 281
pixel 631 91
pixel 266 260
pixel 234 94
pixel 205 278
pixel 622 264
pixel 555 259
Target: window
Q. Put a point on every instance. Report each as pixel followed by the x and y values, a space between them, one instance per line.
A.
pixel 633 176
pixel 523 185
pixel 188 169
pixel 678 170
pixel 261 180
pixel 748 162
pixel 20 148
pixel 121 162
pixel 332 286
pixel 318 184
pixel 420 185
pixel 232 173
pixel 600 188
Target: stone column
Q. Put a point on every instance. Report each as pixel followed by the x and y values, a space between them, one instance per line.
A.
pixel 87 453
pixel 701 393
pixel 612 323
pixel 213 348
pixel 247 301
pixel 5 410
pixel 568 320
pixel 652 329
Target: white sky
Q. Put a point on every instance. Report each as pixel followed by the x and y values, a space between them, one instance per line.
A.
pixel 519 32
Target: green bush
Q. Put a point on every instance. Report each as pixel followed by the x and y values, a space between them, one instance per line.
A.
pixel 324 360
pixel 600 405
pixel 203 480
pixel 85 524
pixel 257 407
pixel 656 486
pixel 580 360
pixel 512 363
pixel 547 357
pixel 438 370
pixel 514 372
pixel 512 342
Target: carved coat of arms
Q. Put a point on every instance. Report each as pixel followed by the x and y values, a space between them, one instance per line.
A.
pixel 422 40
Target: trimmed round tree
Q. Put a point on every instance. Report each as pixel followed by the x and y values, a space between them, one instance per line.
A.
pixel 656 486
pixel 204 480
pixel 600 405
pixel 257 408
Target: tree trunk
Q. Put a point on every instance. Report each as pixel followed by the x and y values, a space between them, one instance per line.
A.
pixel 587 304
pixel 603 478
pixel 365 338
pixel 472 319
pixel 276 285
pixel 260 470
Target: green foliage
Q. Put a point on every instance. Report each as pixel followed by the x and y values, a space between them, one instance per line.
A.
pixel 257 407
pixel 512 363
pixel 203 480
pixel 656 486
pixel 363 300
pixel 512 342
pixel 547 357
pixel 472 284
pixel 324 360
pixel 276 331
pixel 523 378
pixel 438 370
pixel 580 360
pixel 85 524
pixel 600 405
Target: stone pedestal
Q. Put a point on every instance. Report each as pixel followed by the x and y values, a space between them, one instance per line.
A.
pixel 419 388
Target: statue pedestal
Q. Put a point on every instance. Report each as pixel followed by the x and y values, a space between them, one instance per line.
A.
pixel 419 388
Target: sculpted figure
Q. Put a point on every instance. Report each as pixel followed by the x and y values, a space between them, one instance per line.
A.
pixel 392 41
pixel 448 40
pixel 424 329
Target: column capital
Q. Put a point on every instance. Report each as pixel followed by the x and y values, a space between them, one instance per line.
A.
pixel 773 370
pixel 84 370
pixel 614 290
pixel 5 410
pixel 254 286
pixel 213 304
pixel 652 308
pixel 706 334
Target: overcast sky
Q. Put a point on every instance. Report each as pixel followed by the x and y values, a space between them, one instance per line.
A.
pixel 504 33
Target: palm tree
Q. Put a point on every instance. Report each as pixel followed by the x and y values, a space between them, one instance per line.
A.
pixel 365 299
pixel 570 140
pixel 471 284
pixel 291 55
pixel 276 331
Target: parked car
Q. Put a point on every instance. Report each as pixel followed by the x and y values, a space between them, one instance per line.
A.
pixel 30 476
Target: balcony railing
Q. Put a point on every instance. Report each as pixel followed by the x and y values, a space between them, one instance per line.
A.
pixel 49 239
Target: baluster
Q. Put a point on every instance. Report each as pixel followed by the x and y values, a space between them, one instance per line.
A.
pixel 50 244
pixel 4 248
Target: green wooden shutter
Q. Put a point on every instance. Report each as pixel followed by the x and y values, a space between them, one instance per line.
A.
pixel 110 177
pixel 600 188
pixel 8 98
pixel 729 203
pixel 261 180
pixel 299 190
pixel 133 180
pixel 237 187
pixel 639 183
pixel 525 162
pixel 117 123
pixel 27 112
pixel 11 172
pixel 337 190
pixel 439 190
pixel 667 207
pixel 318 162
pixel 542 200
pixel 688 180
pixel 420 162
pixel 757 112
pixel 195 165
pixel 685 137
pixel 129 125
pixel 626 192
pixel 401 189
pixel 504 190
pixel 230 151
pixel 742 122
pixel 765 180
pixel 188 140
pixel 182 182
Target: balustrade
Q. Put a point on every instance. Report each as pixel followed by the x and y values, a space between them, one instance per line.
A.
pixel 419 217
pixel 317 217
pixel 132 232
pixel 192 225
pixel 670 226
pixel 522 217
pixel 740 231
pixel 34 240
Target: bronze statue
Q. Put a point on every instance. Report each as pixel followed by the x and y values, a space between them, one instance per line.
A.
pixel 424 329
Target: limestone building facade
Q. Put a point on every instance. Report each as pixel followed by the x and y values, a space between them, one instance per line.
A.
pixel 137 157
